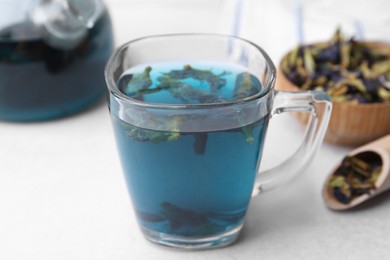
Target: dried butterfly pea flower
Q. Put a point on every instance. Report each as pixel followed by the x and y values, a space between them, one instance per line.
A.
pixel 338 91
pixel 310 64
pixel 355 176
pixel 341 189
pixel 384 94
pixel 340 62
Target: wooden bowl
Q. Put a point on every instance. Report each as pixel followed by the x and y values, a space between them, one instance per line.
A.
pixel 350 124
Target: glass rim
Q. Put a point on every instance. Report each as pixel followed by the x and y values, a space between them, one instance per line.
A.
pixel 114 90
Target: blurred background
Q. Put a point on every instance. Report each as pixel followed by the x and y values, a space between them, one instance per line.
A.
pixel 276 25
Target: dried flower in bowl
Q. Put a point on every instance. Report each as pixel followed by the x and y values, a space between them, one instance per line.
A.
pixel 355 74
pixel 348 70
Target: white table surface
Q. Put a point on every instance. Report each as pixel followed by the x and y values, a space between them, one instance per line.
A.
pixel 62 194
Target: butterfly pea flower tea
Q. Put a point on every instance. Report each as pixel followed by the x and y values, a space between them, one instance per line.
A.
pixel 226 158
pixel 190 114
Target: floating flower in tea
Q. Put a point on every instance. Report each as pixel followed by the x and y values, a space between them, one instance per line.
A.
pixel 139 81
pixel 186 222
pixel 185 92
pixel 141 84
pixel 216 82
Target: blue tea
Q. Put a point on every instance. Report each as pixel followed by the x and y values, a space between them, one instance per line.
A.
pixel 41 82
pixel 193 183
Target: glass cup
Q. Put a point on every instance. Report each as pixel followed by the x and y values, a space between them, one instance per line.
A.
pixel 190 115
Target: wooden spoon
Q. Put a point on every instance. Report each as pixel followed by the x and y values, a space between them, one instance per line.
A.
pixel 380 147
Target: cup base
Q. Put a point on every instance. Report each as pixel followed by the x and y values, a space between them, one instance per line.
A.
pixel 219 240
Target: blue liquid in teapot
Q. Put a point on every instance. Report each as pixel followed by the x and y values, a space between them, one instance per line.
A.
pixel 41 81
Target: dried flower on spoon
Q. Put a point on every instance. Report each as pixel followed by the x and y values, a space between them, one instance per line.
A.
pixel 355 176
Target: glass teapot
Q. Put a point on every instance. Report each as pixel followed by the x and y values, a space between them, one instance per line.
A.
pixel 52 57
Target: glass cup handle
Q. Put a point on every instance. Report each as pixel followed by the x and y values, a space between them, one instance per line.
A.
pixel 318 105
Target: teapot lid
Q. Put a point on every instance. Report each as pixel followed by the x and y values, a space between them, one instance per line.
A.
pixel 64 23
